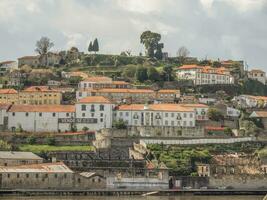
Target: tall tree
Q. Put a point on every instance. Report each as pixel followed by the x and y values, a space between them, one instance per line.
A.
pixel 182 54
pixel 150 40
pixel 141 74
pixel 95 46
pixel 90 47
pixel 153 74
pixel 43 45
pixel 167 73
pixel 159 54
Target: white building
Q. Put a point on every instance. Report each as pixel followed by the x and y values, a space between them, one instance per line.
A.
pixel 94 113
pixel 156 115
pixel 205 75
pixel 257 74
pixel 7 66
pixel 249 101
pixel 40 118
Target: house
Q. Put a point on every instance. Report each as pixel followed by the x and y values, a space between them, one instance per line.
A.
pixel 8 96
pixel 7 66
pixel 249 101
pixel 74 74
pixel 94 112
pixel 260 115
pixel 49 59
pixel 257 74
pixel 204 75
pixel 39 95
pixel 99 82
pixel 49 176
pixel 15 158
pixel 53 83
pixel 131 95
pixel 203 169
pixel 16 78
pixel 32 61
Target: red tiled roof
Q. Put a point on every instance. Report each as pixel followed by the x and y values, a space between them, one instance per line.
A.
pixel 98 79
pixel 8 91
pixel 42 108
pixel 39 89
pixel 95 99
pixel 4 106
pixel 214 128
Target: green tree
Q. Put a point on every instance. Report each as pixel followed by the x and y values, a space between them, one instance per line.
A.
pixel 90 47
pixel 153 74
pixel 150 40
pixel 95 46
pixel 215 114
pixel 129 72
pixel 4 146
pixel 50 140
pixel 31 140
pixel 85 128
pixel 167 73
pixel 120 124
pixel 141 74
pixel 158 53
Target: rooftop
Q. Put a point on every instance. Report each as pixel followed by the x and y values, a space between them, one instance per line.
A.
pixel 8 91
pixel 39 89
pixel 7 62
pixel 156 107
pixel 95 99
pixel 58 167
pixel 13 155
pixel 4 106
pixel 98 79
pixel 42 108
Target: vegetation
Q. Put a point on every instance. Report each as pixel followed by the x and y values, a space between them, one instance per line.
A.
pixel 119 124
pixel 48 148
pixel 4 146
pixel 31 140
pixel 215 114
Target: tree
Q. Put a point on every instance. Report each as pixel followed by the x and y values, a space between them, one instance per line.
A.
pixel 153 74
pixel 159 54
pixel 4 146
pixel 141 74
pixel 150 40
pixel 129 72
pixel 182 53
pixel 90 47
pixel 120 124
pixel 95 46
pixel 215 114
pixel 85 128
pixel 167 73
pixel 43 45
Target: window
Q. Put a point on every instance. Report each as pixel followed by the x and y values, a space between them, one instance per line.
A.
pixel 40 114
pixel 92 114
pixel 27 175
pixel 67 114
pixel 26 114
pixel 93 180
pixel 101 120
pixel 127 114
pixel 101 107
pixel 172 115
pixel 83 114
pixel 36 175
pixel 54 114
pixel 83 107
pixel 92 108
pixel 191 115
pixel 13 114
pixel 8 175
pixel 121 114
pixel 166 123
pixel 17 175
pixel 55 175
pixel 65 175
pixel 185 115
pixel 166 114
pixel 101 114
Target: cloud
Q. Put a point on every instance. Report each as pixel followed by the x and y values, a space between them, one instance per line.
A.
pixel 223 29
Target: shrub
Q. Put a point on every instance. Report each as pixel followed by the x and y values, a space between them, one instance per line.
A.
pixel 31 140
pixel 120 124
pixel 50 141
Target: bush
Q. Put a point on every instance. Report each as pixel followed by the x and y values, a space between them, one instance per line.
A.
pixel 50 141
pixel 85 128
pixel 120 124
pixel 31 140
pixel 4 146
pixel 215 114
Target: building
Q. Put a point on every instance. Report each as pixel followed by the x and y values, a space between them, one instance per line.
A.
pixel 261 115
pixel 49 59
pixel 39 95
pixel 205 75
pixel 32 61
pixel 74 74
pixel 41 118
pixel 94 112
pixel 99 82
pixel 48 176
pixel 257 74
pixel 249 101
pixel 156 115
pixel 16 158
pixel 3 116
pixel 203 170
pixel 16 78
pixel 8 96
pixel 131 95
pixel 53 83
pixel 7 66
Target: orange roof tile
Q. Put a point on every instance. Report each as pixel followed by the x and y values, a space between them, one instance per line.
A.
pixel 102 79
pixel 190 67
pixel 194 105
pixel 8 91
pixel 39 89
pixel 214 128
pixel 95 99
pixel 42 108
pixel 4 106
pixel 256 71
pixel 168 91
pixel 118 90
pixel 120 83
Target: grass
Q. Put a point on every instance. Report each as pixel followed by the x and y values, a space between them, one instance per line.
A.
pixel 47 148
pixel 263 152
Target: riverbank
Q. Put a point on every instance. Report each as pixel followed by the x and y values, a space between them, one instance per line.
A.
pixel 125 192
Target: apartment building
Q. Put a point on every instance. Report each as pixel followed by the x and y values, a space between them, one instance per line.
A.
pixel 8 96
pixel 7 66
pixel 205 75
pixel 131 95
pixel 250 101
pixel 257 74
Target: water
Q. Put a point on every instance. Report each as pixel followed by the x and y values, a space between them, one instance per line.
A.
pixel 137 198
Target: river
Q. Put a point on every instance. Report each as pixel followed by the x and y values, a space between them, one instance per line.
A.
pixel 136 198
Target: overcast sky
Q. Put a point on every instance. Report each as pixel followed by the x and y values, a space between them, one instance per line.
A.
pixel 225 29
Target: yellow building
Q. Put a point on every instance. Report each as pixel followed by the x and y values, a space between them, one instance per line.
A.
pixel 38 95
pixel 8 96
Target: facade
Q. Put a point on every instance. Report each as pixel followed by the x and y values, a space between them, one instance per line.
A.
pixel 94 113
pixel 98 82
pixel 156 115
pixel 205 75
pixel 41 118
pixel 257 74
pixel 7 66
pixel 131 95
pixel 32 61
pixel 8 96
pixel 48 176
pixel 16 158
pixel 40 95
pixel 249 101
pixel 74 74
pixel 16 77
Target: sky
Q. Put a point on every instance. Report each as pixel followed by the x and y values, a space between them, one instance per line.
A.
pixel 213 29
